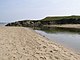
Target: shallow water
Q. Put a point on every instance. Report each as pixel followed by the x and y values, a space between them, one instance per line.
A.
pixel 2 24
pixel 67 37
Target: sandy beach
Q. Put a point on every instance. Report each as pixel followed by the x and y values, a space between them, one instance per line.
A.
pixel 66 26
pixel 19 43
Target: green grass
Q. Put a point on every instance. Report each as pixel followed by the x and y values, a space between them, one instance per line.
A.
pixel 61 17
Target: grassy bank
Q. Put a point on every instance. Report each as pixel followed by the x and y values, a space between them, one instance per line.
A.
pixel 47 21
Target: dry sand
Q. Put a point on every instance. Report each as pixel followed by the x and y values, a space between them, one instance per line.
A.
pixel 18 43
pixel 66 26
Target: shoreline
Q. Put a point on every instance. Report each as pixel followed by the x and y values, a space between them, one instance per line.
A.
pixel 76 26
pixel 24 43
pixel 62 44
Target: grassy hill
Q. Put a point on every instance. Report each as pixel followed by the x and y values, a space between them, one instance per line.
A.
pixel 47 21
pixel 60 17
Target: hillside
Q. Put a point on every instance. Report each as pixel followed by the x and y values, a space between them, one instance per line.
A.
pixel 47 21
pixel 61 17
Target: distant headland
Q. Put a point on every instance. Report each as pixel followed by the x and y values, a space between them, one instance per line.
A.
pixel 50 20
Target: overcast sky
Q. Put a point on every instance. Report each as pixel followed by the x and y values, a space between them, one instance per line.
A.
pixel 13 10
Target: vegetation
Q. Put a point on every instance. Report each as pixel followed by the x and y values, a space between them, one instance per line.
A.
pixel 61 17
pixel 47 21
pixel 57 29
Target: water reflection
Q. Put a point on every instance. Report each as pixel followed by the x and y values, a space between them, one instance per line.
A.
pixel 65 36
pixel 56 29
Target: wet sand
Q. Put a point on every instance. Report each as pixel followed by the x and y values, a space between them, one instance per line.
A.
pixel 19 43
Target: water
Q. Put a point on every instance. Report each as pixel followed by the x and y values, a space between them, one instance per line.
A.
pixel 2 24
pixel 67 37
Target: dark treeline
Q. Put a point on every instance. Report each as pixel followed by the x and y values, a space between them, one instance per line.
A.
pixel 47 21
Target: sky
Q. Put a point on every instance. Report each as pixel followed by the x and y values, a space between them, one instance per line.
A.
pixel 14 10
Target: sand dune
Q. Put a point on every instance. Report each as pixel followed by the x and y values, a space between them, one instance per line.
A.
pixel 18 43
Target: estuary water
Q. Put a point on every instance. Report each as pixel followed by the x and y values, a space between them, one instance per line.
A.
pixel 64 36
pixel 2 24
